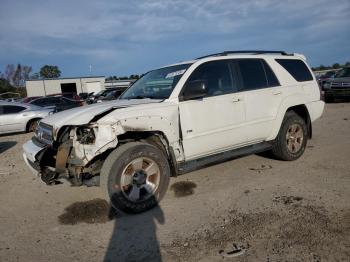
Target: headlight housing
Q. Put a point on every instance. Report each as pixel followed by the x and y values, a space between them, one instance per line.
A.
pixel 44 133
pixel 85 135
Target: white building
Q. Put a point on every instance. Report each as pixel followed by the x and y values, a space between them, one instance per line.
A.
pixel 43 87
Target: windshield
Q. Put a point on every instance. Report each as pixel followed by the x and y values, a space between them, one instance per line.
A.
pixel 156 84
pixel 345 72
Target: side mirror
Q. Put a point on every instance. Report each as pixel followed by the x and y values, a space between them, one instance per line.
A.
pixel 194 90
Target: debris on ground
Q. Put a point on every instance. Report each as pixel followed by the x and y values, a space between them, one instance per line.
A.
pixel 261 168
pixel 237 251
pixel 287 200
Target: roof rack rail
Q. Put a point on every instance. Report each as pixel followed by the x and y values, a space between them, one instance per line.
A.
pixel 255 52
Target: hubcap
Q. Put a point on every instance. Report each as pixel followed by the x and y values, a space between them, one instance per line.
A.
pixel 294 137
pixel 140 179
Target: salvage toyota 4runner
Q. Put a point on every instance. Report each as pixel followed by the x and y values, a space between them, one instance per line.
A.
pixel 179 118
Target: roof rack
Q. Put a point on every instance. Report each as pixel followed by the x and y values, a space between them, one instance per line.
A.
pixel 255 52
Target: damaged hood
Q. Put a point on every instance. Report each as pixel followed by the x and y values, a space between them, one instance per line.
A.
pixel 83 115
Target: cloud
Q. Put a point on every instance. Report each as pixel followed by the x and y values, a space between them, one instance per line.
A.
pixel 162 31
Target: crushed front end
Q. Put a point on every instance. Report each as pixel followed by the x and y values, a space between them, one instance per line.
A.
pixel 72 153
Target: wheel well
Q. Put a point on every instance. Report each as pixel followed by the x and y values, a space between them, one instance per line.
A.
pixel 31 121
pixel 302 111
pixel 155 138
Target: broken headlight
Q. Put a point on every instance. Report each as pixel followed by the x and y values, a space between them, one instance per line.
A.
pixel 85 135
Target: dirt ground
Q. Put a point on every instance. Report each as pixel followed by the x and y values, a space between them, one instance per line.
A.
pixel 270 210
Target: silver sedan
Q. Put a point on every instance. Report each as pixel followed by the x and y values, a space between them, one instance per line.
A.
pixel 19 117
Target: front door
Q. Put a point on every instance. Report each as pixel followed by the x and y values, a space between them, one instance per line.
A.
pixel 213 123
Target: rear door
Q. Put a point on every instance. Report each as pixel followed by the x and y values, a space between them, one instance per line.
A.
pixel 213 123
pixel 262 96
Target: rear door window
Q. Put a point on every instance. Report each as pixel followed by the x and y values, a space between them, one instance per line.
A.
pixel 296 68
pixel 252 74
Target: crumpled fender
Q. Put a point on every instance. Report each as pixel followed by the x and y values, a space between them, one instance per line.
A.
pixel 107 133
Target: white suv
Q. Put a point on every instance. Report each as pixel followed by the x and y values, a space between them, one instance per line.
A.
pixel 179 118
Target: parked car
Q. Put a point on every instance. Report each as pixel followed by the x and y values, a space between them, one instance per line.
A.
pixel 99 95
pixel 69 95
pixel 338 86
pixel 58 103
pixel 85 96
pixel 19 117
pixel 112 95
pixel 322 79
pixel 10 97
pixel 28 99
pixel 179 118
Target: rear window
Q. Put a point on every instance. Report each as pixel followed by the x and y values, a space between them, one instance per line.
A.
pixel 296 68
pixel 12 109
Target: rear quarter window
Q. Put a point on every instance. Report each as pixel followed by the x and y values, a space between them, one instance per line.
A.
pixel 296 68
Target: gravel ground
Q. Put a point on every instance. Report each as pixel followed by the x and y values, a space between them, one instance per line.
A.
pixel 270 210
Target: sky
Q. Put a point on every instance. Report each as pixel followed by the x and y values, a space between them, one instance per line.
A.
pixel 118 37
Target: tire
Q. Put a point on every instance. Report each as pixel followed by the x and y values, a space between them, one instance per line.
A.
pixel 32 125
pixel 123 174
pixel 283 146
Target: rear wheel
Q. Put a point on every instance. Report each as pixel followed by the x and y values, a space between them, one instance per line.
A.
pixel 292 138
pixel 135 176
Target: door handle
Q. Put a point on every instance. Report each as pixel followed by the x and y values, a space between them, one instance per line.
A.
pixel 277 93
pixel 236 99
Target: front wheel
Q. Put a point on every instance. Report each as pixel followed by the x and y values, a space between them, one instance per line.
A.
pixel 32 125
pixel 291 140
pixel 135 176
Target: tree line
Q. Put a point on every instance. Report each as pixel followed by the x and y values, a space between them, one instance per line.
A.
pixel 14 77
pixel 334 66
pixel 111 78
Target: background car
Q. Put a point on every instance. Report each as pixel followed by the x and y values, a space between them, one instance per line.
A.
pixel 10 97
pixel 69 95
pixel 112 95
pixel 85 96
pixel 58 103
pixel 338 86
pixel 98 97
pixel 28 99
pixel 19 117
pixel 322 79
